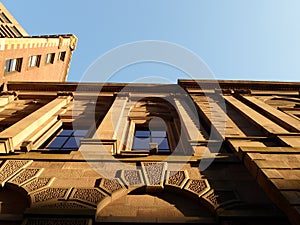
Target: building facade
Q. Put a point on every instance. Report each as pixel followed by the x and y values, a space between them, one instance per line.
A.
pixel 145 153
pixel 32 58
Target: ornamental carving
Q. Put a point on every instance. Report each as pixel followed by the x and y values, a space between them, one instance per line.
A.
pixel 198 187
pixel 50 194
pixel 24 175
pixel 37 183
pixel 88 195
pixel 58 221
pixel 154 173
pixel 10 167
pixel 132 177
pixel 177 178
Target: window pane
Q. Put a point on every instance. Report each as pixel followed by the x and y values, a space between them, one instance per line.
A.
pixel 157 133
pixel 66 132
pixel 13 64
pixel 7 65
pixel 142 133
pixel 80 133
pixel 57 143
pixel 141 143
pixel 72 143
pixel 162 143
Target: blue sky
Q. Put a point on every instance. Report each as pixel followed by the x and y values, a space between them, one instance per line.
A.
pixel 237 39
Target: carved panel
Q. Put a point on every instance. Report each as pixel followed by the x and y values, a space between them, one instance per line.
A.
pixel 218 198
pixel 50 194
pixel 177 178
pixel 113 187
pixel 88 195
pixel 64 205
pixel 132 178
pixel 197 187
pixel 10 167
pixel 37 183
pixel 57 221
pixel 24 175
pixel 154 173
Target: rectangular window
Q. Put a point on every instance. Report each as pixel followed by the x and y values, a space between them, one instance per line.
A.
pixel 62 56
pixel 50 58
pixel 4 18
pixel 12 65
pixel 66 139
pixel 34 60
pixel 143 138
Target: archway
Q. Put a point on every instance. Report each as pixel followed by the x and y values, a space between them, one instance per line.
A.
pixel 155 207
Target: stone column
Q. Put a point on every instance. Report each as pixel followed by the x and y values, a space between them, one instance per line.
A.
pixel 257 118
pixel 110 131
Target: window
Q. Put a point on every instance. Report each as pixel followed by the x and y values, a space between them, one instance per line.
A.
pixel 50 58
pixel 62 56
pixel 13 65
pixel 34 60
pixel 4 18
pixel 66 140
pixel 143 138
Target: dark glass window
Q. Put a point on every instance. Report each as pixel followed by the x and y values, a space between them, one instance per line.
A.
pixel 143 137
pixel 34 60
pixel 12 65
pixel 50 58
pixel 67 140
pixel 62 56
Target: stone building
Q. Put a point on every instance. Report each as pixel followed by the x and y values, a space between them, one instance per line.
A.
pixel 145 153
pixel 27 58
pixel 206 152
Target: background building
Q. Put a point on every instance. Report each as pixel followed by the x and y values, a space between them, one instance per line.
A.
pixel 32 58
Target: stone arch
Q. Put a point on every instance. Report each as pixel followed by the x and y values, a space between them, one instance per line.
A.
pixel 154 178
pixel 145 109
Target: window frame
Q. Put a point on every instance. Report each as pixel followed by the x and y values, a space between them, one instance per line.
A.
pixel 34 63
pixel 50 58
pixel 66 136
pixel 13 65
pixel 151 137
pixel 62 56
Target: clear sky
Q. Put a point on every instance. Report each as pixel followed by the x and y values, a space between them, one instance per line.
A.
pixel 237 39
